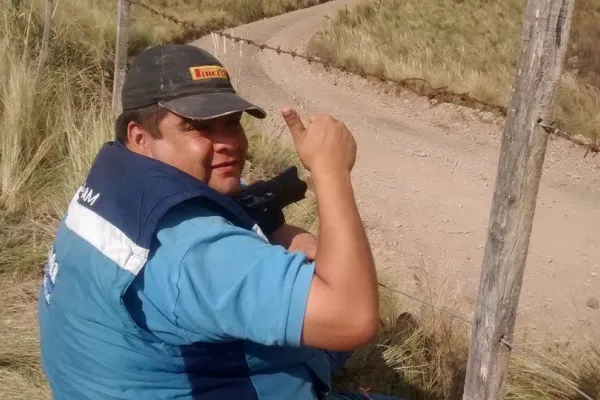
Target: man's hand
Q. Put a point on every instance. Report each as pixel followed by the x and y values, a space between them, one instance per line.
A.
pixel 326 144
pixel 294 238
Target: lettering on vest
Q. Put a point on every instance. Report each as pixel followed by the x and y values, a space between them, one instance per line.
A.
pixel 88 195
pixel 50 271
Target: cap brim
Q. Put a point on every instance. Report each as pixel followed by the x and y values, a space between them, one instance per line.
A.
pixel 211 105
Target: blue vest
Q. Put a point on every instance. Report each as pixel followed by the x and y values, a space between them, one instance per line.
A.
pixel 90 346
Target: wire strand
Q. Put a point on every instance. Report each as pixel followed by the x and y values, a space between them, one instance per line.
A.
pixel 445 310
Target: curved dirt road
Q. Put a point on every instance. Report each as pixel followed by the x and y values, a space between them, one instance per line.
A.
pixel 424 180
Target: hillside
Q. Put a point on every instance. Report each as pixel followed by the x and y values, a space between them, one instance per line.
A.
pixel 466 46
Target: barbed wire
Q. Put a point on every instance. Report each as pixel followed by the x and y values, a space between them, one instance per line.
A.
pixel 590 147
pixel 441 94
pixel 511 346
pixel 412 297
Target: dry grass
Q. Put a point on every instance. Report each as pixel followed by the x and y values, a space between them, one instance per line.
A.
pixel 52 125
pixel 428 361
pixel 435 40
pixel 20 376
pixel 584 54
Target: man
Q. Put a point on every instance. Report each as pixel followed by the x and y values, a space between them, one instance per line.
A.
pixel 159 286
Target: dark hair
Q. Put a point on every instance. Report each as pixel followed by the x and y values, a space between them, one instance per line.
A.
pixel 149 117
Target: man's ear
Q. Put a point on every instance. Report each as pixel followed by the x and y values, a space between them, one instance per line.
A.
pixel 138 138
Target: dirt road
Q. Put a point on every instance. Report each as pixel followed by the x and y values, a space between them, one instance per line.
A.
pixel 424 180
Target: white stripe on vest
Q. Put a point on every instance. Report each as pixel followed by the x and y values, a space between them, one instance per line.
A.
pixel 105 237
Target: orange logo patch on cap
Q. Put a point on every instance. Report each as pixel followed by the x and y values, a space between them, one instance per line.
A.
pixel 209 72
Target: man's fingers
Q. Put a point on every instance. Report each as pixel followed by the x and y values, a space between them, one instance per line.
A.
pixel 294 122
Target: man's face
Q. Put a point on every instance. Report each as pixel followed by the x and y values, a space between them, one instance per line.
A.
pixel 213 151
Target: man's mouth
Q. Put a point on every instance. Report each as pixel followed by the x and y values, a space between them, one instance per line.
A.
pixel 228 166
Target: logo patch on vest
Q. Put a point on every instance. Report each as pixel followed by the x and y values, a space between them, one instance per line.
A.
pixel 50 271
pixel 88 195
pixel 209 72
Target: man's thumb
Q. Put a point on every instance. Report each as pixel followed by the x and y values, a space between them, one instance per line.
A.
pixel 294 122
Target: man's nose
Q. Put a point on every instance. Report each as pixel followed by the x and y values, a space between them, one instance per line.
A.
pixel 227 141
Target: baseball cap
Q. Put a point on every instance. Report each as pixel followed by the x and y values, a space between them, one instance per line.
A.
pixel 184 79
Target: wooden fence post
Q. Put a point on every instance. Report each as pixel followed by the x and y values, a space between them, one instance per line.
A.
pixel 122 42
pixel 544 36
pixel 45 36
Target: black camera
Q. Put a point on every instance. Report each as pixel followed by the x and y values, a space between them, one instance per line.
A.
pixel 264 201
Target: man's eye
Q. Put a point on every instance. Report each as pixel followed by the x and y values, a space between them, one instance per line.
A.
pixel 198 126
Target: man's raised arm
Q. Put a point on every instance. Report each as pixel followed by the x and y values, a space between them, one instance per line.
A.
pixel 343 304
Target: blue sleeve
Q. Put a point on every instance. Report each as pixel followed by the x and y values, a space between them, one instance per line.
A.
pixel 233 284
